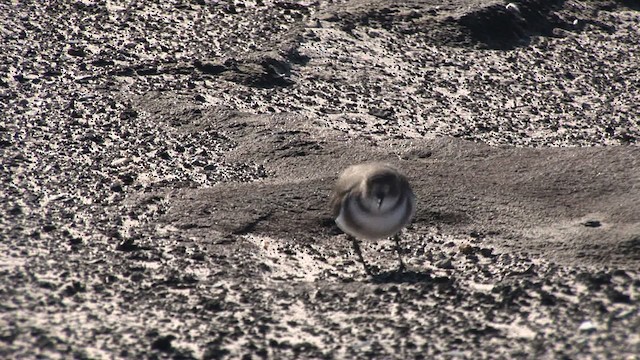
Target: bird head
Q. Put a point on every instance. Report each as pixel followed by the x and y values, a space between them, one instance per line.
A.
pixel 382 192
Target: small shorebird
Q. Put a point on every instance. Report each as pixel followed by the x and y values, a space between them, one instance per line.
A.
pixel 372 201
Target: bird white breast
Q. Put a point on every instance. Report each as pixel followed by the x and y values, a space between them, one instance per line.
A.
pixel 371 204
pixel 374 226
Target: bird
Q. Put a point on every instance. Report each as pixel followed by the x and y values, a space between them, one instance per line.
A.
pixel 372 201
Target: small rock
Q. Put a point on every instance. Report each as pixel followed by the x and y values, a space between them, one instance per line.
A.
pixel 163 343
pixel 445 264
pixel 73 288
pixel 75 241
pixel 164 154
pixel 592 223
pixel 594 281
pixel 466 249
pixel 547 299
pixel 128 114
pixel 587 326
pixel 127 245
pixel 120 161
pixel 618 297
pixel 127 179
pixel 621 273
pixel 116 187
pixel 386 113
pixel 513 8
pixel 16 210
pixel 486 252
pixel 79 52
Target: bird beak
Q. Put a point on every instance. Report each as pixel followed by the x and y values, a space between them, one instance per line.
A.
pixel 380 199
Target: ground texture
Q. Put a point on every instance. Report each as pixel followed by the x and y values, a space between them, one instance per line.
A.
pixel 166 167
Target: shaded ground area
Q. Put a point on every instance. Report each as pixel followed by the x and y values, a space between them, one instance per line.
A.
pixel 572 205
pixel 166 167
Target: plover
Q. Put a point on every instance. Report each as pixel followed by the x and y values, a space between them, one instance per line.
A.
pixel 372 201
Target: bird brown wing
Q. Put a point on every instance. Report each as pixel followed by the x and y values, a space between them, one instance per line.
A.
pixel 336 202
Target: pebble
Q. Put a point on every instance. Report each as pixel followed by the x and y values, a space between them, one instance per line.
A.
pixel 587 326
pixel 120 162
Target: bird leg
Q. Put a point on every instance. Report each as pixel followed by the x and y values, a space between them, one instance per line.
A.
pixel 358 251
pixel 396 238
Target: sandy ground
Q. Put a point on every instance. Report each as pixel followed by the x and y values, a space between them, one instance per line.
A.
pixel 166 169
